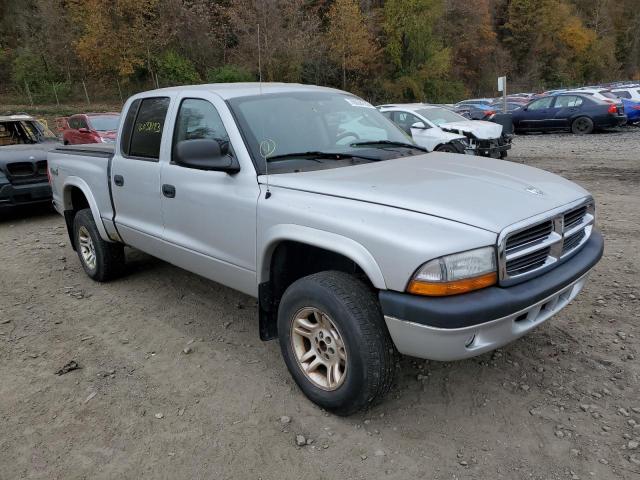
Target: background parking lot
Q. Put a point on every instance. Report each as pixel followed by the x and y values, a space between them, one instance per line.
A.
pixel 174 382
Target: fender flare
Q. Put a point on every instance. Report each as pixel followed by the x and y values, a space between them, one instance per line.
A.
pixel 321 239
pixel 93 205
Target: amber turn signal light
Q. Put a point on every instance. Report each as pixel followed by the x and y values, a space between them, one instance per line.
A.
pixel 443 289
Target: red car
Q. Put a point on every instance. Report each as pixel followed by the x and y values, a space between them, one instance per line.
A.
pixel 91 128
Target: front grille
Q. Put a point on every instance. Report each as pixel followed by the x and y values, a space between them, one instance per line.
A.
pixel 574 217
pixel 528 262
pixel 572 241
pixel 22 173
pixel 20 169
pixel 41 167
pixel 529 236
pixel 526 250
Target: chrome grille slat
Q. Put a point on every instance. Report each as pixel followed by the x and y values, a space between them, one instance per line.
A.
pixel 529 236
pixel 529 249
pixel 572 241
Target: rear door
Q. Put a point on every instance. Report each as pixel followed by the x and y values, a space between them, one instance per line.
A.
pixel 565 108
pixel 135 173
pixel 210 216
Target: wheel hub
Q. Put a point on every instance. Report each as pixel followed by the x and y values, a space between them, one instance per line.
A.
pixel 87 250
pixel 319 348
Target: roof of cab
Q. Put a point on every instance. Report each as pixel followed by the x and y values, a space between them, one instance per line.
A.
pixel 243 89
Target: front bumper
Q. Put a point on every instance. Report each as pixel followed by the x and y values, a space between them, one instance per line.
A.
pixel 463 326
pixel 490 148
pixel 14 195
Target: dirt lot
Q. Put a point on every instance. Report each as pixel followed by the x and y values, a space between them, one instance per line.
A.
pixel 561 403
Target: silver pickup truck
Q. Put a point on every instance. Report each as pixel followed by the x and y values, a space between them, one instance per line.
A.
pixel 356 243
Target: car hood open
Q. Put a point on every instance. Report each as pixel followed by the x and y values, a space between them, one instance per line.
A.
pixel 487 193
pixel 479 128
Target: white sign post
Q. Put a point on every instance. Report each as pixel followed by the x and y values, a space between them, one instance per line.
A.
pixel 502 87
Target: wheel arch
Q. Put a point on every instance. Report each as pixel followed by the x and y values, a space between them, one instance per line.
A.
pixel 76 195
pixel 305 251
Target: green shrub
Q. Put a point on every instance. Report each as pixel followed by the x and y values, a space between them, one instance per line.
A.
pixel 174 69
pixel 229 74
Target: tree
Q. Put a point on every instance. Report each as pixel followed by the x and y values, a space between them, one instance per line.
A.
pixel 116 36
pixel 289 37
pixel 420 62
pixel 350 43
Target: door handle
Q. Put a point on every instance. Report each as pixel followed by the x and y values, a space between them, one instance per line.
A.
pixel 168 191
pixel 118 180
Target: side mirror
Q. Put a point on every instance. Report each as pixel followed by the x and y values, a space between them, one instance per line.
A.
pixel 204 154
pixel 419 126
pixel 84 130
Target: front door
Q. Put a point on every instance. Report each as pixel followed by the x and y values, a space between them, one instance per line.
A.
pixel 210 217
pixel 135 174
pixel 537 114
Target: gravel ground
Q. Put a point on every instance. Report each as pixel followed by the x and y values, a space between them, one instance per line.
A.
pixel 563 402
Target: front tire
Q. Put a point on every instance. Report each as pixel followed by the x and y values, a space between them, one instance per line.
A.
pixel 102 261
pixel 335 343
pixel 446 148
pixel 582 126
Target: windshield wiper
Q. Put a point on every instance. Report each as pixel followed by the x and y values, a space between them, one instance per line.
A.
pixel 389 143
pixel 319 156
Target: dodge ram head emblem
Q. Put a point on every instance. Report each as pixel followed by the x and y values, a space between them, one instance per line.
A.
pixel 534 191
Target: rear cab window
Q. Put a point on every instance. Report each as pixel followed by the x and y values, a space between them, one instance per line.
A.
pixel 142 130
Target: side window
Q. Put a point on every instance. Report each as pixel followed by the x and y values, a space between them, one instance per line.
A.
pixel 405 120
pixel 82 123
pixel 73 123
pixel 146 133
pixel 540 104
pixel 623 94
pixel 568 101
pixel 197 119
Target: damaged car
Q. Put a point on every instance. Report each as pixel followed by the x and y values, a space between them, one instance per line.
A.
pixel 439 129
pixel 24 143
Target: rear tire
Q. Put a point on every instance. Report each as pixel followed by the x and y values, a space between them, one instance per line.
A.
pixel 582 126
pixel 332 322
pixel 102 261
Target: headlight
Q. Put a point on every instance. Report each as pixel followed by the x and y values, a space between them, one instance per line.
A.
pixel 457 273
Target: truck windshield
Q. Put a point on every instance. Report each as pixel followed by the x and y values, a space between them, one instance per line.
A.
pixel 282 124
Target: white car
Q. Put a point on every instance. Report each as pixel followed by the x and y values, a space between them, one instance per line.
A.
pixel 439 129
pixel 598 93
pixel 628 92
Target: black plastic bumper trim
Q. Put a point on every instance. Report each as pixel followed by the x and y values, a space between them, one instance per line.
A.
pixel 494 302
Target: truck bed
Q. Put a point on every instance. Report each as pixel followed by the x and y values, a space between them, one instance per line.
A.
pixel 91 150
pixel 85 167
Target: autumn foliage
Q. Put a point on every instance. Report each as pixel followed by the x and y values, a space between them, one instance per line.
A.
pixel 435 50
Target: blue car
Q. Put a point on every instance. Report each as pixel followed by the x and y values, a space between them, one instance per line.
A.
pixel 632 110
pixel 579 113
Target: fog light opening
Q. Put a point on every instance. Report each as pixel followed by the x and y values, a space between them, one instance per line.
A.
pixel 470 341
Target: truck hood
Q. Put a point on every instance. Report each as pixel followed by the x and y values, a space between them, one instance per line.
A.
pixel 483 192
pixel 479 128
